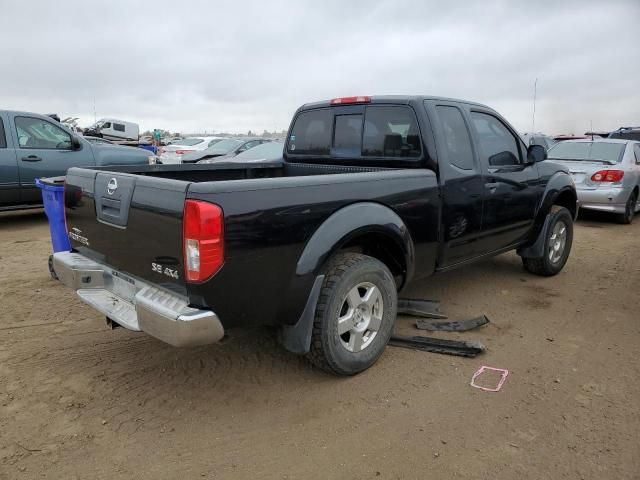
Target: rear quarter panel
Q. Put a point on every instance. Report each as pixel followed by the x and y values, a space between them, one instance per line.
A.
pixel 268 223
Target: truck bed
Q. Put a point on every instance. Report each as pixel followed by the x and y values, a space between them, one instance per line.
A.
pixel 271 211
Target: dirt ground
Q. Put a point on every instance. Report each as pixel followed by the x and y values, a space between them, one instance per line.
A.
pixel 80 401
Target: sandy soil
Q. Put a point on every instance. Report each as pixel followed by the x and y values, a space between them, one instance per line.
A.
pixel 79 401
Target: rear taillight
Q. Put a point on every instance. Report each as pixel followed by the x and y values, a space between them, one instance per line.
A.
pixel 182 152
pixel 350 100
pixel 613 176
pixel 203 240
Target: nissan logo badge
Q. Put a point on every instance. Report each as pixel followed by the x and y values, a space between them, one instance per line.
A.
pixel 112 186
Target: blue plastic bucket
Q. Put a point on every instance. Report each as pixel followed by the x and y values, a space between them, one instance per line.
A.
pixel 53 199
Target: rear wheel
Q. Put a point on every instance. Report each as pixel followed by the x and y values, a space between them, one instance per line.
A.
pixel 557 244
pixel 354 316
pixel 629 209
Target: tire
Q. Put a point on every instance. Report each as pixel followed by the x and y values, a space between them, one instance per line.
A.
pixel 557 245
pixel 52 272
pixel 358 296
pixel 629 210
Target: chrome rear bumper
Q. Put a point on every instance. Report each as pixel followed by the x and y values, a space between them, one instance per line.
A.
pixel 137 305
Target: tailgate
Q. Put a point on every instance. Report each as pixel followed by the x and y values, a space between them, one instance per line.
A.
pixel 133 223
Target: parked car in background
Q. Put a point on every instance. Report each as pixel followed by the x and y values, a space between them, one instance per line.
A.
pixel 174 152
pixel 228 148
pixel 563 138
pixel 113 129
pixel 169 140
pixel 267 152
pixel 34 146
pixel 539 139
pixel 626 133
pixel 373 193
pixel 98 140
pixel 606 173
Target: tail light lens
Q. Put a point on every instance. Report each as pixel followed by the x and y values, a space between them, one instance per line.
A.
pixel 613 176
pixel 182 152
pixel 203 240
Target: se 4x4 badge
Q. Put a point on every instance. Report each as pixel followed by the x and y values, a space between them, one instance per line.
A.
pixel 169 272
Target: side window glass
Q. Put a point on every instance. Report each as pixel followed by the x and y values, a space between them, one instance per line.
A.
pixel 311 133
pixel 347 135
pixel 106 125
pixel 499 146
pixel 3 138
pixel 456 137
pixel 636 150
pixel 390 132
pixel 37 133
pixel 118 127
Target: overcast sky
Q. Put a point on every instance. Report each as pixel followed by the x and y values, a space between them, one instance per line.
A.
pixel 234 66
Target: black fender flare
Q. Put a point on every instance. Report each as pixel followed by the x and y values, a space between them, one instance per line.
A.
pixel 348 223
pixel 559 184
pixel 341 227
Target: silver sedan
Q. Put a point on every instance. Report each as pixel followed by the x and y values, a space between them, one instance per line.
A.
pixel 606 173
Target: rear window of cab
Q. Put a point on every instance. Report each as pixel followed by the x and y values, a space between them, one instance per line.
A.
pixel 380 131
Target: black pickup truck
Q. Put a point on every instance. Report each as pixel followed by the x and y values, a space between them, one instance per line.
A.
pixel 372 193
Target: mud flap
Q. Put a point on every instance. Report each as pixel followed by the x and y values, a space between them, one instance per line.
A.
pixel 536 250
pixel 297 338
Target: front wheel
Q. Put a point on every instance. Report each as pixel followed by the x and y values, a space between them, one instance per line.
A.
pixel 354 316
pixel 557 244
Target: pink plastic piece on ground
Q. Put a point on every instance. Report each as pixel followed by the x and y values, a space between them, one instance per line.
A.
pixel 503 377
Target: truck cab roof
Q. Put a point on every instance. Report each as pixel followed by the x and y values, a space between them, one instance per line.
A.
pixel 394 99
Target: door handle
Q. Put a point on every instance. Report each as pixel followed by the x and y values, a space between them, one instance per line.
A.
pixel 492 185
pixel 31 158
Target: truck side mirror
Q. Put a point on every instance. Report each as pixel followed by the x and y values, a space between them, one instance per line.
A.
pixel 75 143
pixel 536 153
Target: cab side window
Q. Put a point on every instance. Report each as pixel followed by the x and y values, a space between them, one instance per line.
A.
pixel 499 147
pixel 3 138
pixel 636 151
pixel 40 134
pixel 456 137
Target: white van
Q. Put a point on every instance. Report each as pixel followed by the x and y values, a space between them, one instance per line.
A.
pixel 114 129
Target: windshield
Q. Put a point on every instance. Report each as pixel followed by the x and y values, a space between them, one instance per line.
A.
pixel 188 142
pixel 225 146
pixel 585 151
